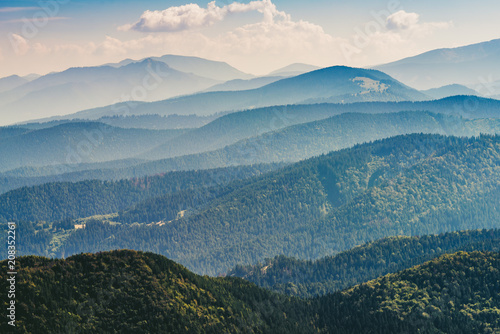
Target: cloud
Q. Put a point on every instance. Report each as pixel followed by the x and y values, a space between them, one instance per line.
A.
pixel 37 20
pixel 389 36
pixel 19 44
pixel 402 20
pixel 17 9
pixel 192 16
pixel 41 49
pixel 275 40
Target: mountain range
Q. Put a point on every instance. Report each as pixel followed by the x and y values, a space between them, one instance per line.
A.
pixel 74 143
pixel 337 84
pixel 252 136
pixel 82 88
pixel 476 66
pixel 201 67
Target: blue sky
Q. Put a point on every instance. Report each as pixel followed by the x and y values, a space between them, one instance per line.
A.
pixel 254 36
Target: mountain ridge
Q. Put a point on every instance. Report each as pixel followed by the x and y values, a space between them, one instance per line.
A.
pixel 470 65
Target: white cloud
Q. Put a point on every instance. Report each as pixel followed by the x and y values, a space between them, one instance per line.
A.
pixel 193 16
pixel 402 20
pixel 37 20
pixel 19 44
pixel 275 40
pixel 41 49
pixel 17 9
pixel 396 36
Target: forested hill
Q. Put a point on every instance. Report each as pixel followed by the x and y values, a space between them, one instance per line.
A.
pixel 79 142
pixel 405 185
pixel 458 293
pixel 363 263
pixel 291 144
pixel 64 200
pixel 132 292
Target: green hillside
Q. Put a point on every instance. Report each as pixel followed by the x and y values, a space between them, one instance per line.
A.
pixel 62 200
pixel 239 126
pixel 405 185
pixel 363 263
pixel 456 293
pixel 132 292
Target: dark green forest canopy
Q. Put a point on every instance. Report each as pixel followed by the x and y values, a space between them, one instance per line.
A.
pixel 63 200
pixel 132 292
pixel 305 278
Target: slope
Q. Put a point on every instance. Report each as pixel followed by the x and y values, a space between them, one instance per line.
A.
pixel 455 293
pixel 410 185
pixel 73 143
pixel 131 292
pixel 11 82
pixel 361 264
pixel 62 200
pixel 294 69
pixel 236 126
pixel 127 291
pixel 215 70
pixel 240 84
pixel 449 90
pixel 302 141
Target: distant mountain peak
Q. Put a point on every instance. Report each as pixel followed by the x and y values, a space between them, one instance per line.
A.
pixel 294 69
pixel 471 65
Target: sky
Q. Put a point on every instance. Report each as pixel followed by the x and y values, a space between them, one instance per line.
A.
pixel 254 36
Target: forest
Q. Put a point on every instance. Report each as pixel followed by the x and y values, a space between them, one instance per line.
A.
pixel 407 185
pixel 134 292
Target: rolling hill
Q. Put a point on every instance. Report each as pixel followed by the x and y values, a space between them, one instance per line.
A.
pixel 241 84
pixel 302 141
pixel 292 143
pixel 455 293
pixel 294 70
pixel 363 263
pixel 449 90
pixel 228 129
pixel 129 291
pixel 133 292
pixel 53 202
pixel 73 143
pixel 11 82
